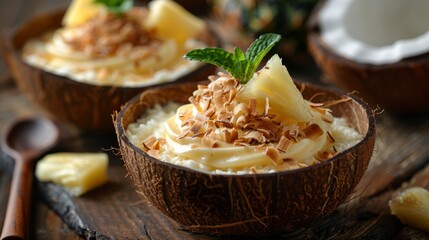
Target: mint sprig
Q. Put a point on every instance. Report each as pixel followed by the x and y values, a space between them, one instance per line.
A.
pixel 240 65
pixel 117 6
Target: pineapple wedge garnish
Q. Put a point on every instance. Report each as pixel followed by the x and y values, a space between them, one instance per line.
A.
pixel 274 82
pixel 80 11
pixel 76 172
pixel 172 21
pixel 411 206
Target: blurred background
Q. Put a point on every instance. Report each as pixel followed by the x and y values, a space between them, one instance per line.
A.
pixel 238 22
pixel 14 12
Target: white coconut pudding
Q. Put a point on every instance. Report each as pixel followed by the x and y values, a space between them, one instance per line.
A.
pixel 375 31
pixel 262 126
pixel 136 48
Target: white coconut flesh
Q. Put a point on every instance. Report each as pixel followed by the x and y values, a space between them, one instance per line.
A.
pixel 376 31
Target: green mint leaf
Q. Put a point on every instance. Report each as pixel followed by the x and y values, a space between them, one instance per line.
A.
pixel 258 49
pixel 240 65
pixel 215 56
pixel 116 6
pixel 239 54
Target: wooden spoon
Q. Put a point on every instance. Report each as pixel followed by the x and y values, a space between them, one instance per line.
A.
pixel 25 140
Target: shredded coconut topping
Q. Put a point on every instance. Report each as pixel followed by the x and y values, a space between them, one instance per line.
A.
pixel 220 118
pixel 107 34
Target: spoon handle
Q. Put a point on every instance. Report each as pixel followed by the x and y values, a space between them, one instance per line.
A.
pixel 16 223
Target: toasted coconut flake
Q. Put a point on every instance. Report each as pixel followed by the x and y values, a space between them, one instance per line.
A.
pixel 241 121
pixel 267 106
pixel 289 164
pixel 226 135
pixel 240 109
pixel 270 125
pixel 185 133
pixel 195 102
pixel 196 127
pixel 252 106
pixel 210 142
pixel 250 125
pixel 292 133
pixel 266 133
pixel 313 131
pixel 254 137
pixel 210 124
pixel 212 78
pixel 273 154
pixel 283 144
pixel 148 143
pixel 201 118
pixel 234 135
pixel 205 104
pixel 161 142
pixel 203 86
pixel 323 156
pixel 232 94
pixel 223 123
pixel 209 112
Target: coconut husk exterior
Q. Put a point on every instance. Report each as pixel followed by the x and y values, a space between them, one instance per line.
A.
pixel 252 204
pixel 85 105
pixel 401 87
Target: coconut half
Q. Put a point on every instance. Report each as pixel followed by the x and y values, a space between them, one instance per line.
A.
pixel 375 31
pixel 84 105
pixel 245 204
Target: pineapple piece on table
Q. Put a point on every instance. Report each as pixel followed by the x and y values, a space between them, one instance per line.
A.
pixel 76 172
pixel 411 206
pixel 274 82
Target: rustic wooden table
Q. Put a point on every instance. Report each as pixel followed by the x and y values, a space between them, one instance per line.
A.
pixel 115 211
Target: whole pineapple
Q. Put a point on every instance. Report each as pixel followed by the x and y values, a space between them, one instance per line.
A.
pixel 244 20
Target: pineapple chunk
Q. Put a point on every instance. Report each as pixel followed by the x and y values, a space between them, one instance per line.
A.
pixel 172 21
pixel 76 172
pixel 80 11
pixel 412 207
pixel 274 82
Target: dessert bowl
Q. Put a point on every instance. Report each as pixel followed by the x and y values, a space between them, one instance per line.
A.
pixel 246 204
pixel 87 106
pixel 365 47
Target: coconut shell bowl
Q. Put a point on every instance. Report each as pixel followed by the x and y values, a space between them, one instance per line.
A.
pixel 396 76
pixel 248 204
pixel 84 105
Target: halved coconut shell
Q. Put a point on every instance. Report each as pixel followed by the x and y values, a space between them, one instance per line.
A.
pixel 400 87
pixel 250 204
pixel 84 105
